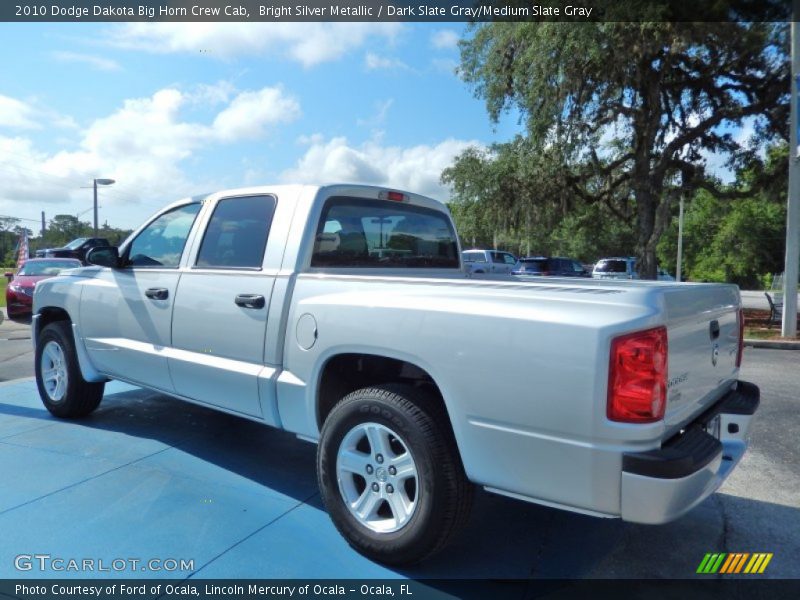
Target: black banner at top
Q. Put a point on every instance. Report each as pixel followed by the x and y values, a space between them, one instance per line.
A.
pixel 399 10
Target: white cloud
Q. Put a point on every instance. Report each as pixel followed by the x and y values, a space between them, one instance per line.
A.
pixel 374 62
pixel 210 94
pixel 307 43
pixel 251 112
pixel 142 145
pixel 26 175
pixel 444 39
pixel 95 62
pixel 16 114
pixel 416 169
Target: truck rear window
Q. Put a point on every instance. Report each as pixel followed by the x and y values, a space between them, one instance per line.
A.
pixel 357 232
pixel 611 266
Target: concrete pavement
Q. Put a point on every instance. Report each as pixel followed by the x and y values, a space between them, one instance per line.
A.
pixel 150 477
pixel 757 300
pixel 16 352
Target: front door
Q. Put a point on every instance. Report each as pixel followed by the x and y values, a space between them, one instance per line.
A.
pixel 126 313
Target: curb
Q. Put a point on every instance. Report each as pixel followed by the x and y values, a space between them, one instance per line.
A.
pixel 773 344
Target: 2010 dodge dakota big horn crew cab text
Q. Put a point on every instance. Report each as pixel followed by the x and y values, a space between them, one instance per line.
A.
pixel 342 314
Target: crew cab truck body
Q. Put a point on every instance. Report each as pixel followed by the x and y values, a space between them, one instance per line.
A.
pixel 342 313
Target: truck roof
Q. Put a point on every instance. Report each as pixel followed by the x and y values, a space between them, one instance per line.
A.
pixel 332 189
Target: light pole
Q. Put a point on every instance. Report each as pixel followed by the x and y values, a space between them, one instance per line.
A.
pixel 96 183
pixel 789 320
pixel 678 272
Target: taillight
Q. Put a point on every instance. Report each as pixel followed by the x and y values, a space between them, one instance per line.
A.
pixel 741 339
pixel 637 377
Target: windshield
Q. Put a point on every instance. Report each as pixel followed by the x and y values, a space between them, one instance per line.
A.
pixel 48 267
pixel 611 266
pixel 75 243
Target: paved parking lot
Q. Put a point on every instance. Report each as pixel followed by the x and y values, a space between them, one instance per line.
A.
pixel 16 356
pixel 150 477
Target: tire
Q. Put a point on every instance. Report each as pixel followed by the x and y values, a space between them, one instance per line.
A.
pixel 62 388
pixel 388 451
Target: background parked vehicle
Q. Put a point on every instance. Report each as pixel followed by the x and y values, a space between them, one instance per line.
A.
pixel 549 266
pixel 615 268
pixel 623 268
pixel 488 261
pixel 663 275
pixel 19 292
pixel 77 248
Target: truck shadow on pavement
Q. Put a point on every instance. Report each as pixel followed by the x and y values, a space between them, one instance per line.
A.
pixel 505 538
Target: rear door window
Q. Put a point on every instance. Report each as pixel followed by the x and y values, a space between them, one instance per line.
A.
pixel 364 233
pixel 236 236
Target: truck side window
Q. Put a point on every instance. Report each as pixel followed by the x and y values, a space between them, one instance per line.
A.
pixel 358 232
pixel 236 236
pixel 161 243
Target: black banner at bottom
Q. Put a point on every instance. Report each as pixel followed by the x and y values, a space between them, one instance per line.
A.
pixel 425 589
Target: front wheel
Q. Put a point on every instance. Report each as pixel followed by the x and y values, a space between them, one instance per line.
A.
pixel 390 474
pixel 62 388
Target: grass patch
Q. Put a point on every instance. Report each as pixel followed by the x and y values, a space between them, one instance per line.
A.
pixel 3 284
pixel 757 326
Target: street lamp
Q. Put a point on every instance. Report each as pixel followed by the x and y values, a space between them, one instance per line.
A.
pixel 96 183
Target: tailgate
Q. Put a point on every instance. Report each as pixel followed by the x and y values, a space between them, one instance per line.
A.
pixel 703 334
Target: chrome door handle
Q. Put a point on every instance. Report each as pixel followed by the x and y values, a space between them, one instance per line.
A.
pixel 157 293
pixel 250 301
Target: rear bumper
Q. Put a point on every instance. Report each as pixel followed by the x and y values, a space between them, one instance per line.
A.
pixel 661 485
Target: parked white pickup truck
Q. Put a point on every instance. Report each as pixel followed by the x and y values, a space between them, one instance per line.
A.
pixel 342 314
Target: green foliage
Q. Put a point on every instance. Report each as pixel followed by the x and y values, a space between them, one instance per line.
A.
pixel 737 241
pixel 62 229
pixel 617 114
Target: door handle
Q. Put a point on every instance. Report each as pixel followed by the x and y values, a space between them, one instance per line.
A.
pixel 250 301
pixel 157 293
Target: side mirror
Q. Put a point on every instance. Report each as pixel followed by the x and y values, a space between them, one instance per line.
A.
pixel 104 256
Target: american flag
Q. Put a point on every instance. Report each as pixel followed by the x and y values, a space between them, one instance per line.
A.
pixel 23 248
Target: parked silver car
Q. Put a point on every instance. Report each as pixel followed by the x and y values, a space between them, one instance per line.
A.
pixel 623 268
pixel 488 261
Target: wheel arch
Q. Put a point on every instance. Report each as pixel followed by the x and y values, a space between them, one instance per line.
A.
pixel 345 372
pixel 51 314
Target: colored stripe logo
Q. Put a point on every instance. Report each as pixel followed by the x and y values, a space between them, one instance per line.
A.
pixel 734 562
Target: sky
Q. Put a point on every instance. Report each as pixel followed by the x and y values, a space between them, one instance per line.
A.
pixel 170 110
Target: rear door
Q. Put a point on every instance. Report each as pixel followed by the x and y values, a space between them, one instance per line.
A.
pixel 220 317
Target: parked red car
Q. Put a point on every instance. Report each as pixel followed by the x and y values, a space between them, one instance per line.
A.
pixel 19 293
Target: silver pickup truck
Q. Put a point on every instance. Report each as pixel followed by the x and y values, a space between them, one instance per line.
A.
pixel 343 314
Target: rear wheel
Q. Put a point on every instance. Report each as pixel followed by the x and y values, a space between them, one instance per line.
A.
pixel 62 388
pixel 390 474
